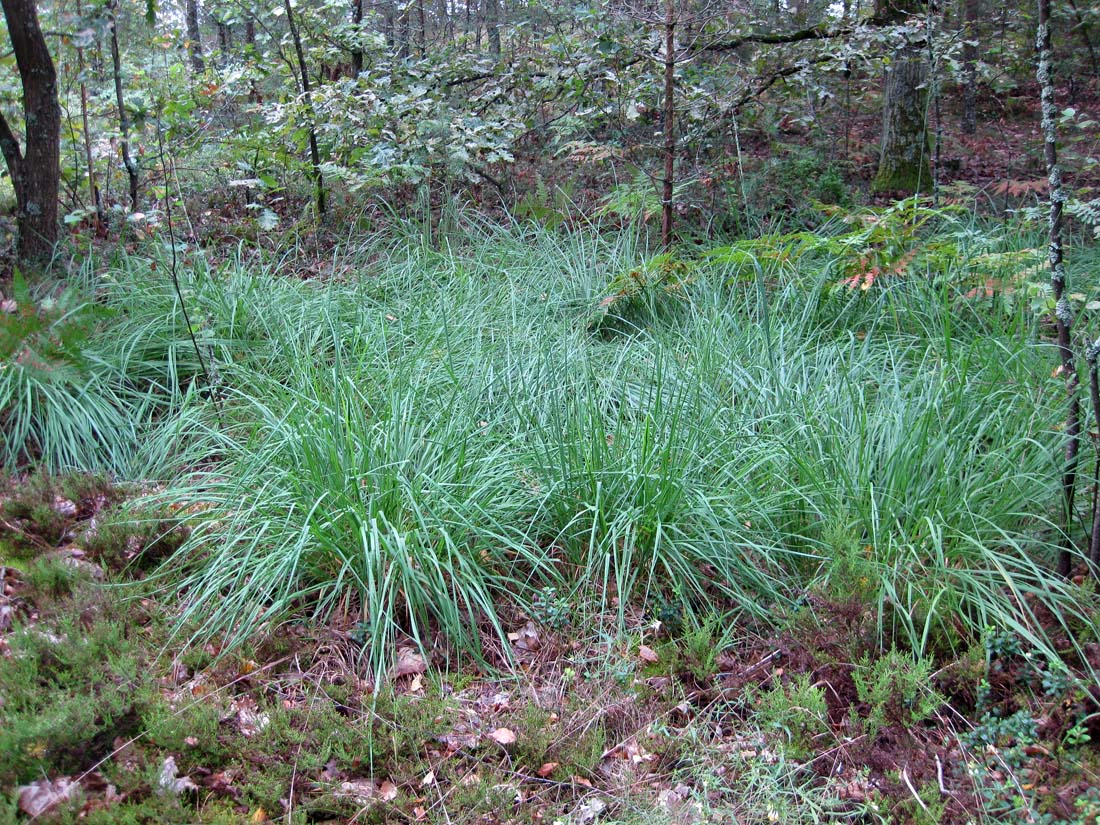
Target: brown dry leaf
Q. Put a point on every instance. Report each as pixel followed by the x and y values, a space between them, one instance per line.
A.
pixel 547 769
pixel 420 813
pixel 46 794
pixel 648 654
pixel 417 684
pixel 387 791
pixel 580 780
pixel 259 815
pixel 409 663
pixel 503 736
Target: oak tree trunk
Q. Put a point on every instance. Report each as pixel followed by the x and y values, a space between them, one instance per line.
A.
pixel 35 169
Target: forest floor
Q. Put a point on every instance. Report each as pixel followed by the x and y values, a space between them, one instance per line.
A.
pixel 657 724
pixel 108 714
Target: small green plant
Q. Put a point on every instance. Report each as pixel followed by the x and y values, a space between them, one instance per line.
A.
pixel 551 609
pixel 798 711
pixel 895 689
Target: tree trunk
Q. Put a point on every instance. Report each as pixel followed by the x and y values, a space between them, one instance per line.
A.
pixel 93 189
pixel 492 26
pixel 1082 28
pixel 669 125
pixel 971 14
pixel 357 52
pixel 1063 312
pixel 132 171
pixel 194 36
pixel 225 44
pixel 35 170
pixel 314 152
pixel 903 158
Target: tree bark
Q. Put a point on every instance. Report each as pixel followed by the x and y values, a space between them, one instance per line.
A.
pixel 903 157
pixel 357 22
pixel 669 125
pixel 132 171
pixel 492 26
pixel 194 36
pixel 1063 312
pixel 35 169
pixel 972 10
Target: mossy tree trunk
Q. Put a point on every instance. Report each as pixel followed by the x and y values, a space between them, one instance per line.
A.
pixel 903 158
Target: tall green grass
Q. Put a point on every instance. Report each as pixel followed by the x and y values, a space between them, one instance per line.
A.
pixel 445 433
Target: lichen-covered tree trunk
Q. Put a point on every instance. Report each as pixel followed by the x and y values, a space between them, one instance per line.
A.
pixel 903 164
pixel 35 169
pixel 1063 312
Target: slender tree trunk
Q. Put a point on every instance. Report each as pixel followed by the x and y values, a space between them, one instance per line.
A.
pixel 132 171
pixel 669 125
pixel 403 26
pixel 35 169
pixel 194 36
pixel 357 52
pixel 225 44
pixel 314 152
pixel 421 30
pixel 93 189
pixel 1063 312
pixel 492 26
pixel 1091 355
pixel 972 10
pixel 389 25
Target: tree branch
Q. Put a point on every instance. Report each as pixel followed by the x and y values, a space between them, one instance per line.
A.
pixel 9 146
pixel 822 31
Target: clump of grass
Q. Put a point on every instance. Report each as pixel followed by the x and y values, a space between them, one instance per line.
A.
pixel 444 435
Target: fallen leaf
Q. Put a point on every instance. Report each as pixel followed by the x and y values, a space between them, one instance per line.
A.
pixel 420 813
pixel 417 684
pixel 547 769
pixel 503 736
pixel 46 794
pixel 428 779
pixel 387 791
pixel 260 815
pixel 648 654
